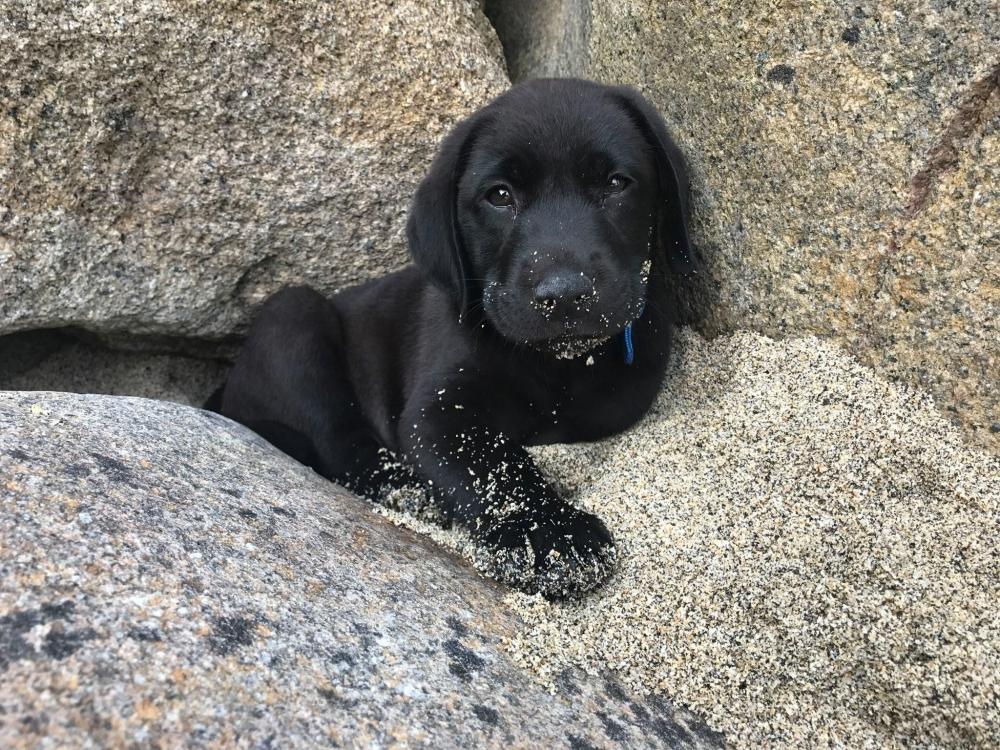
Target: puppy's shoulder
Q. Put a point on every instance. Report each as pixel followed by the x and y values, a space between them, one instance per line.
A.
pixel 402 294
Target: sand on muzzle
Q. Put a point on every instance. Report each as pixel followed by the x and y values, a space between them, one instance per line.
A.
pixel 808 554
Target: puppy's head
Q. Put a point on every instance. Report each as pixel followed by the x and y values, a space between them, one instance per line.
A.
pixel 551 207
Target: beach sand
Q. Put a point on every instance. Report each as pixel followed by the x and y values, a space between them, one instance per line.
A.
pixel 808 554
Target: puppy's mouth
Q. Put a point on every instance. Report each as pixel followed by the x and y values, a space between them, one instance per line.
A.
pixel 566 339
pixel 569 347
pixel 573 330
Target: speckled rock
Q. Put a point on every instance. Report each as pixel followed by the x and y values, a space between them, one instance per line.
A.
pixel 169 579
pixel 846 164
pixel 165 165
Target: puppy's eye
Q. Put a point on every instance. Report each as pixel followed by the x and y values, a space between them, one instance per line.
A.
pixel 616 183
pixel 500 197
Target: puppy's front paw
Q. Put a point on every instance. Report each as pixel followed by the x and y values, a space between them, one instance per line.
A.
pixel 564 552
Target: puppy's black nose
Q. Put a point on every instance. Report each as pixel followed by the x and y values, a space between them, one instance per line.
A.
pixel 563 290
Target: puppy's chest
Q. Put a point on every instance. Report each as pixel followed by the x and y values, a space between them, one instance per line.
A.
pixel 591 408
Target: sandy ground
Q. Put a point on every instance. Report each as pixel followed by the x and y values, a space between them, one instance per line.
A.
pixel 809 555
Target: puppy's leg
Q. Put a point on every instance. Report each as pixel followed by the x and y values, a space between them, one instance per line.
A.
pixel 290 385
pixel 527 536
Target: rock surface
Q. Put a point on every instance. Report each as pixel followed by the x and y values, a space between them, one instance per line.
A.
pixel 164 166
pixel 169 579
pixel 846 162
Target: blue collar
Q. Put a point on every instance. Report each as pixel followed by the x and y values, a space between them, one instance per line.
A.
pixel 629 346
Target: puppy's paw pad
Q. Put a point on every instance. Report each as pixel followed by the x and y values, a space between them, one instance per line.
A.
pixel 577 563
pixel 564 555
pixel 513 566
pixel 504 552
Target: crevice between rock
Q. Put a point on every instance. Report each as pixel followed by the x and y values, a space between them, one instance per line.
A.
pixel 542 38
pixel 77 361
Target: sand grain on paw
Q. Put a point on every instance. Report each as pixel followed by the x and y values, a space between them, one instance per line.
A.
pixel 807 554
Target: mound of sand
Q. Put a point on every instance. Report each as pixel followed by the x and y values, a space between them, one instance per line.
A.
pixel 809 554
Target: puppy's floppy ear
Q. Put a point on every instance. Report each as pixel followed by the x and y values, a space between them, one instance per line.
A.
pixel 671 227
pixel 432 228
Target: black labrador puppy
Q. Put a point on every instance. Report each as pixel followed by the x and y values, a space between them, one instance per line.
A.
pixel 537 311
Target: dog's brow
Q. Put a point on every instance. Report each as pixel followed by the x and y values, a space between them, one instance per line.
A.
pixel 510 166
pixel 590 156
